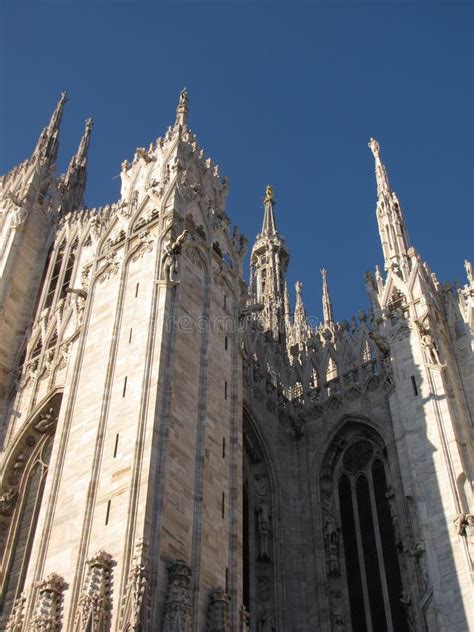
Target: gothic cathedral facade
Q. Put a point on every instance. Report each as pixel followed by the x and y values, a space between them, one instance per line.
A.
pixel 182 452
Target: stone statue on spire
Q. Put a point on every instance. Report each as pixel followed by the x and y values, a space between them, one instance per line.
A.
pixel 183 108
pixel 383 185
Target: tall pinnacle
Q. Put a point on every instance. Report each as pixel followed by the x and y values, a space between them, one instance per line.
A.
pixel 383 185
pixel 328 316
pixel 300 312
pixel 48 142
pixel 183 108
pixel 392 229
pixel 269 262
pixel 58 113
pixel 81 155
pixel 269 224
pixel 74 182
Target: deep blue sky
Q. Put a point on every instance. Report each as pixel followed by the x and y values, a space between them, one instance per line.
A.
pixel 281 93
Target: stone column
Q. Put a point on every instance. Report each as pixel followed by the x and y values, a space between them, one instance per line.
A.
pixel 177 610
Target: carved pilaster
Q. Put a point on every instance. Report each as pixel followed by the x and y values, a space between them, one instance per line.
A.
pixel 177 611
pixel 17 617
pixel 218 618
pixel 94 603
pixel 47 613
pixel 244 619
pixel 136 603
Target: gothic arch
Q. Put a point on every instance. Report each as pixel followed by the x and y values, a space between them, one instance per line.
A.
pixel 361 532
pixel 261 541
pixel 24 471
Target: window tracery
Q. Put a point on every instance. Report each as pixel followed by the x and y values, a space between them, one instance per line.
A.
pixel 362 536
pixel 28 503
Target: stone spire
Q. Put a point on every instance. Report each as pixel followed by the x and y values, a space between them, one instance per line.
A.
pixel 73 184
pixel 47 147
pixel 383 185
pixel 300 312
pixel 287 308
pixel 328 316
pixel 392 230
pixel 183 108
pixel 269 224
pixel 300 323
pixel 269 262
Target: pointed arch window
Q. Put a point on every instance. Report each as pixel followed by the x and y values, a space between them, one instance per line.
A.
pixel 69 268
pixel 30 494
pixel 374 582
pixel 53 283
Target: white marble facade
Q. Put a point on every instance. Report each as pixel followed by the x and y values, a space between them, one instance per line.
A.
pixel 183 452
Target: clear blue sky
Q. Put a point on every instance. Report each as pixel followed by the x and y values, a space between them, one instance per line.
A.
pixel 281 93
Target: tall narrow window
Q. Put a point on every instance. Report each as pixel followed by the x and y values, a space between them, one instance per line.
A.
pixel 55 276
pixel 31 494
pixel 69 268
pixel 373 574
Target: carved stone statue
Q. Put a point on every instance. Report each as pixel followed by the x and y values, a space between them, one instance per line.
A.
pixel 263 525
pixel 419 554
pixel 405 600
pixel 330 529
pixel 381 343
pixel 261 482
pixel 266 623
pixel 462 521
pixel 170 256
pixel 390 496
pixel 468 267
pixel 429 344
pixel 46 421
pixel 7 502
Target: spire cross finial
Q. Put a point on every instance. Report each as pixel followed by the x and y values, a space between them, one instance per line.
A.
pixel 183 108
pixel 327 306
pixel 381 176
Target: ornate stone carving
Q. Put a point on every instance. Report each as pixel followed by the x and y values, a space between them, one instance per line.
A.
pixel 336 609
pixel 111 265
pixel 136 602
pixel 244 619
pixel 297 425
pixel 419 555
pixel 462 521
pixel 94 603
pixel 218 617
pixel 177 610
pixel 8 502
pixel 47 613
pixel 63 356
pixel 144 245
pixel 17 616
pixel 19 217
pixel 405 600
pixel 170 256
pixel 390 496
pixel 331 543
pixel 263 526
pixel 266 622
pixel 431 348
pixel 46 422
